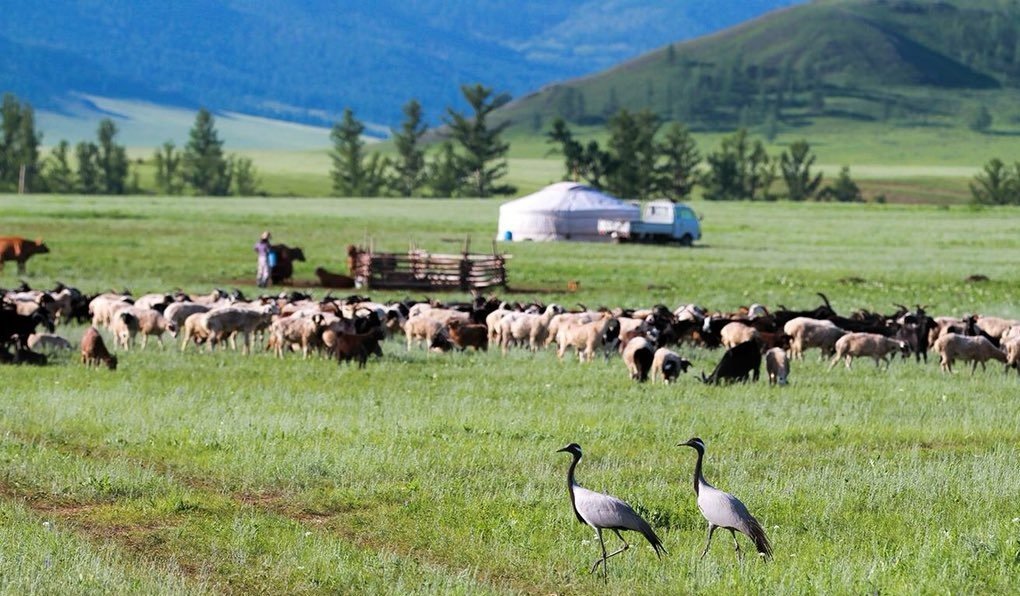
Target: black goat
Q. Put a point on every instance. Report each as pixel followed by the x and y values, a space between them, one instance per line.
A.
pixel 737 364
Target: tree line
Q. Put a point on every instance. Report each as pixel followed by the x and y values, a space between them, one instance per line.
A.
pixel 469 161
pixel 103 167
pixel 640 161
pixel 996 184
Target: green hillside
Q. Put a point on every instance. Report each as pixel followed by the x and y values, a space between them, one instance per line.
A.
pixel 927 63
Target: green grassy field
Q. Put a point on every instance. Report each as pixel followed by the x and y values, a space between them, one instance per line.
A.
pixel 426 473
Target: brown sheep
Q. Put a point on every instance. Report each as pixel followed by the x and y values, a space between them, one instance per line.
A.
pixel 777 365
pixel 976 349
pixel 93 350
pixel 464 335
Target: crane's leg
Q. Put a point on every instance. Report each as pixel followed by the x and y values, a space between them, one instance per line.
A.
pixel 612 554
pixel 736 545
pixel 711 530
pixel 595 565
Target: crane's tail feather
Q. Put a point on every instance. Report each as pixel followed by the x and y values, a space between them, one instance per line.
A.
pixel 649 533
pixel 761 541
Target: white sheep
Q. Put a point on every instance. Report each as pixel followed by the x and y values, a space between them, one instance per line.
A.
pixel 585 338
pixel 124 326
pixel 151 322
pixel 178 312
pixel 736 333
pixel 532 328
pixel 421 328
pixel 996 326
pixel 41 342
pixel 777 365
pixel 953 346
pixel 226 323
pixel 195 329
pixel 874 345
pixel 809 333
pixel 569 318
pixel 1012 349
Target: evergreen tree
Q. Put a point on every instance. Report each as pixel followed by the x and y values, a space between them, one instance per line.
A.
pixel 795 165
pixel 844 189
pixel 677 170
pixel 571 149
pixel 57 171
pixel 112 160
pixel 245 176
pixel 980 119
pixel 168 169
pixel 88 178
pixel 444 177
pixel 203 165
pixel 409 167
pixel 482 160
pixel 597 164
pixel 354 173
pixel 739 170
pixel 19 143
pixel 632 145
pixel 996 185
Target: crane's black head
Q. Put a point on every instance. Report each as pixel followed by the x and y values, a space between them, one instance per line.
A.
pixel 696 443
pixel 573 448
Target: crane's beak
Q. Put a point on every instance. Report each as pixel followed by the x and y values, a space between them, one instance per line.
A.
pixel 687 444
pixel 561 450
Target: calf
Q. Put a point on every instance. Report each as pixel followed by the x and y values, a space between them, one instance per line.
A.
pixel 737 364
pixel 15 248
pixel 93 350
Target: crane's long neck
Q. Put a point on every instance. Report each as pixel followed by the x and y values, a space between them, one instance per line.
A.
pixel 699 478
pixel 571 483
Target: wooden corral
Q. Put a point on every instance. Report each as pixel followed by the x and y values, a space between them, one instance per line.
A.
pixel 418 269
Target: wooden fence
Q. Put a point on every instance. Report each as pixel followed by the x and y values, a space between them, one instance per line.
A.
pixel 421 270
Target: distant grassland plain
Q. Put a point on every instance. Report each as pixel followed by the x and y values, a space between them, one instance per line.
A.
pixel 427 473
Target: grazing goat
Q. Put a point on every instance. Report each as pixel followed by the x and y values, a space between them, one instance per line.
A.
pixel 638 356
pixel 953 346
pixel 357 346
pixel 93 350
pixel 421 328
pixel 777 365
pixel 867 344
pixel 668 364
pixel 737 364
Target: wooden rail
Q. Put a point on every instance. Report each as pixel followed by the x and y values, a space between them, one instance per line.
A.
pixel 420 270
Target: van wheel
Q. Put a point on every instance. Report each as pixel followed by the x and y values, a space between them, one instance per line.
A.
pixel 686 240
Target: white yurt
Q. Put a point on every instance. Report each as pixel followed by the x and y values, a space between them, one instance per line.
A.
pixel 561 211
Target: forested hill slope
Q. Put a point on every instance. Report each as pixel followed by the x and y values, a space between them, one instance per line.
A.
pixel 844 59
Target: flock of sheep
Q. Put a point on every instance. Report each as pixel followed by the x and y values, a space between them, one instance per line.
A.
pixel 353 328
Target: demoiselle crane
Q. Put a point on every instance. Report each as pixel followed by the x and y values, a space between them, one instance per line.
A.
pixel 723 510
pixel 604 512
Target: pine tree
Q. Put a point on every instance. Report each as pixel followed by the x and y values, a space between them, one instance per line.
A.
pixel 409 167
pixel 632 144
pixel 203 165
pixel 677 173
pixel 354 173
pixel 843 190
pixel 795 165
pixel 996 185
pixel 112 160
pixel 245 176
pixel 482 160
pixel 19 143
pixel 57 169
pixel 88 177
pixel 571 150
pixel 168 169
pixel 739 170
pixel 444 177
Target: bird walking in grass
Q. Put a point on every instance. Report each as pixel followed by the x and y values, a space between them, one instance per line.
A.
pixel 723 510
pixel 604 512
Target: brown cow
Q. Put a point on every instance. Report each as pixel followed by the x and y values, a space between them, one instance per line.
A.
pixel 15 248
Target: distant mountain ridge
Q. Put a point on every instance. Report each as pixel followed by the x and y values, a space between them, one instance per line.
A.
pixel 846 59
pixel 305 61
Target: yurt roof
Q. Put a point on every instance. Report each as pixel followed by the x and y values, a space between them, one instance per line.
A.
pixel 567 196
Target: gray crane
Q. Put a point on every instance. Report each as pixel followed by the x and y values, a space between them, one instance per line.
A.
pixel 604 512
pixel 723 510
